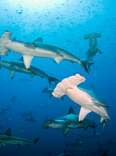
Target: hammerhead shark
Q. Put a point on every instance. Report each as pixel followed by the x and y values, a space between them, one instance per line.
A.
pixel 7 138
pixel 38 50
pixel 68 122
pixel 93 49
pixel 14 67
pixel 88 103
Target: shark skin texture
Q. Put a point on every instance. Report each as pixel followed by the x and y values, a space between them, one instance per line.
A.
pixel 70 87
pixel 41 50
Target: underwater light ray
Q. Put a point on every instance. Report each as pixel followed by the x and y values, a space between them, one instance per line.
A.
pixel 34 4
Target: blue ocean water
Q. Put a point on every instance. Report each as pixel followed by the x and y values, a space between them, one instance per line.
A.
pixel 62 23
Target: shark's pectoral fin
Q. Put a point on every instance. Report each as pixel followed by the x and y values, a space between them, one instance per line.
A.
pixel 27 60
pixel 12 74
pixel 66 130
pixel 83 113
pixel 58 59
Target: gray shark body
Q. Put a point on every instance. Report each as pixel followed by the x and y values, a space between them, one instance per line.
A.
pixel 41 50
pixel 7 138
pixel 14 67
pixel 68 122
pixel 4 139
pixel 93 49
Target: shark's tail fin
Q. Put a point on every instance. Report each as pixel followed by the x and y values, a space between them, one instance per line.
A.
pixel 86 65
pixel 3 41
pixel 104 121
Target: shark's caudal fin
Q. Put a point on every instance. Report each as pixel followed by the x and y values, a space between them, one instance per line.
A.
pixel 3 40
pixel 104 121
pixel 66 130
pixel 86 65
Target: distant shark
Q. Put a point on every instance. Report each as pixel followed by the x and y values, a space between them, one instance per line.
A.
pixel 7 138
pixel 39 50
pixel 28 116
pixel 93 49
pixel 88 103
pixel 14 67
pixel 68 122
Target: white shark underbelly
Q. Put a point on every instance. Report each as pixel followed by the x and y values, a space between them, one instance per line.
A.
pixel 78 96
pixel 87 102
pixel 69 87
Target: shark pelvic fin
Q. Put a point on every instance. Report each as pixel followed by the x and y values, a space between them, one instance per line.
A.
pixel 27 60
pixel 83 113
pixel 86 65
pixel 58 59
pixel 8 132
pixel 66 130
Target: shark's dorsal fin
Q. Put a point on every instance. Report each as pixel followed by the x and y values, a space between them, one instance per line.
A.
pixel 37 41
pixel 71 110
pixel 8 132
